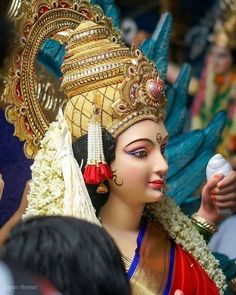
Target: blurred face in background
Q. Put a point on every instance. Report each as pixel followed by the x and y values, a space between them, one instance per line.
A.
pixel 222 59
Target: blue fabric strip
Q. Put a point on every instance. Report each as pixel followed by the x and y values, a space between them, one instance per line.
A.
pixel 135 261
pixel 171 269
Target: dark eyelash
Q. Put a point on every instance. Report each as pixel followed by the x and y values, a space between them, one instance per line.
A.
pixel 135 153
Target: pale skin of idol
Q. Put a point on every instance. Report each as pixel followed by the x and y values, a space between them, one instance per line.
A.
pixel 141 167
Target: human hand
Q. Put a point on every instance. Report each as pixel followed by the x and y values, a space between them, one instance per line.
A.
pixel 218 193
pixel 15 218
pixel 1 186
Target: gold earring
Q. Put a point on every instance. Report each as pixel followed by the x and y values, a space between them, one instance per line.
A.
pixel 102 188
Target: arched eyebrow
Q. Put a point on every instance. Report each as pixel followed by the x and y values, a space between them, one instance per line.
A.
pixel 141 139
pixel 148 140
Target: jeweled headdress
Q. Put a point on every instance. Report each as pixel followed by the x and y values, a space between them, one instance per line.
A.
pixel 129 86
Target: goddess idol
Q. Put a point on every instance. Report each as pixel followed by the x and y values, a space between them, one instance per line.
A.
pixel 103 161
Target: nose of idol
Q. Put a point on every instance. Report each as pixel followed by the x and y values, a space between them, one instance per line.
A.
pixel 160 165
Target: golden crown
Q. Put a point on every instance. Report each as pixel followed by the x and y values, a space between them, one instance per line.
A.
pixel 97 62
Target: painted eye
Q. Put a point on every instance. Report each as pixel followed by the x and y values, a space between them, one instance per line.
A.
pixel 139 154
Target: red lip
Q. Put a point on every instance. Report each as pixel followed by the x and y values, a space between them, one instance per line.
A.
pixel 156 184
pixel 157 181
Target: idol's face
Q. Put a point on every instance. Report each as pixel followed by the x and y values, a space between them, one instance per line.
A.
pixel 139 167
pixel 222 59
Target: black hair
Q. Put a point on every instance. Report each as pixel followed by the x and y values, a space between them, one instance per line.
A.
pixel 80 154
pixel 4 5
pixel 76 256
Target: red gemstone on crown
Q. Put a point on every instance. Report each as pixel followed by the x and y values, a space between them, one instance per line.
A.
pixel 155 88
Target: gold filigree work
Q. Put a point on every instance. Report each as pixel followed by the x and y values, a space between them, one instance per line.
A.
pixel 38 20
pixel 141 94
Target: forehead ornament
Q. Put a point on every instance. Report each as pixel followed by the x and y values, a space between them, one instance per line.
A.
pixel 159 137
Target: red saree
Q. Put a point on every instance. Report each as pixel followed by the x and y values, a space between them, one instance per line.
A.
pixel 160 266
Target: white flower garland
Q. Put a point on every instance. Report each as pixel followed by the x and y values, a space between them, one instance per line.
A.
pixel 47 186
pixel 47 182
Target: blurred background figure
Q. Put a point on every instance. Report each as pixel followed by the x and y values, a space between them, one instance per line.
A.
pixel 211 49
pixel 76 256
pixel 217 89
pixel 186 15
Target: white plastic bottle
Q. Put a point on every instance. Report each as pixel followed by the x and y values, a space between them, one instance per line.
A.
pixel 218 165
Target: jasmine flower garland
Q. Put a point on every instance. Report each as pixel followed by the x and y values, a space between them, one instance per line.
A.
pixel 47 186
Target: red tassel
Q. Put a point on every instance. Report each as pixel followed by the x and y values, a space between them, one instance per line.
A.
pixel 94 174
pixel 105 171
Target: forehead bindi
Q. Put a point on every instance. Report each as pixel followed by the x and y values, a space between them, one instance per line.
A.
pixel 159 137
